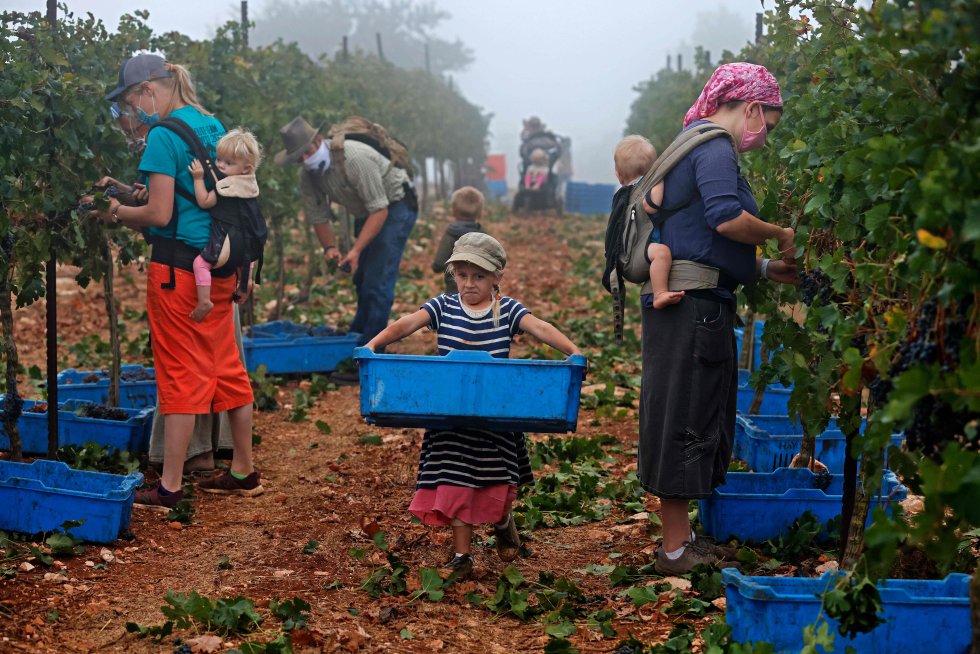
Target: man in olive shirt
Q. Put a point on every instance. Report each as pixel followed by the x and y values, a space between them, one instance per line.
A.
pixel 381 198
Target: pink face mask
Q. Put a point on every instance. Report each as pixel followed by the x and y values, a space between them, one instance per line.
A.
pixel 753 140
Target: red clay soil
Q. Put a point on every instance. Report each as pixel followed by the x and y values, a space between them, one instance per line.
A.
pixel 264 537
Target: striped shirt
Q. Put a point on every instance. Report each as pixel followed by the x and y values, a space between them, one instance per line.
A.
pixel 459 328
pixel 464 456
pixel 473 458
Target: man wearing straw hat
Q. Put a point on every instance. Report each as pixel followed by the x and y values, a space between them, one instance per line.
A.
pixel 380 197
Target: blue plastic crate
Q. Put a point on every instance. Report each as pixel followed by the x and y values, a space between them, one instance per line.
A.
pixel 757 506
pixel 589 198
pixel 767 452
pixel 774 400
pixel 73 429
pixel 284 348
pixel 42 495
pixel 920 615
pixel 780 424
pixel 496 188
pixel 470 389
pixel 132 394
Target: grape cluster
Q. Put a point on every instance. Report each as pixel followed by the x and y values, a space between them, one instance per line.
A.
pixel 935 423
pixel 815 287
pixel 860 343
pixel 135 375
pixel 822 480
pixel 922 345
pixel 954 332
pixel 879 389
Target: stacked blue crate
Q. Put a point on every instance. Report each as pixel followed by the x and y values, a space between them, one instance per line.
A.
pixel 918 615
pixel 588 198
pixel 496 188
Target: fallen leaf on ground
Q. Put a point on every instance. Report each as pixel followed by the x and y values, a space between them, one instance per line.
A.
pixel 205 644
pixel 678 583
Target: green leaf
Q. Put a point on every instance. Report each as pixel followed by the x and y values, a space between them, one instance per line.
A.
pixel 560 630
pixel 323 427
pixel 370 439
pixel 432 584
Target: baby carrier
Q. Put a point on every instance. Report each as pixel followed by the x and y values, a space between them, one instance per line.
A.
pixel 244 223
pixel 629 227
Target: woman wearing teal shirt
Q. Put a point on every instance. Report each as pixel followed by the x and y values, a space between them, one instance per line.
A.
pixel 197 365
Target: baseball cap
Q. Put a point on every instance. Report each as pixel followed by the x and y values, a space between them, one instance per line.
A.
pixel 481 250
pixel 140 68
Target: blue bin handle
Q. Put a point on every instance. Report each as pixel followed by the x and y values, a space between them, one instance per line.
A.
pixel 577 360
pixel 362 352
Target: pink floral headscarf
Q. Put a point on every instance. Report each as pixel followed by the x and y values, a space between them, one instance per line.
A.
pixel 738 81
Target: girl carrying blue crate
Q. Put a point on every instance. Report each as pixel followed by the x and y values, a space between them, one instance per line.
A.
pixel 470 476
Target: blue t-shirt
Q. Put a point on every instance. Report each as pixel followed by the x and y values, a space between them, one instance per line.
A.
pixel 167 154
pixel 710 173
pixel 459 330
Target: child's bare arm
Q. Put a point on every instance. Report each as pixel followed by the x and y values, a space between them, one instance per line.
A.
pixel 400 329
pixel 205 199
pixel 549 334
pixel 657 195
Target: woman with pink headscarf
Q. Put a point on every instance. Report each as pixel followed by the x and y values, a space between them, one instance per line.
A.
pixel 690 376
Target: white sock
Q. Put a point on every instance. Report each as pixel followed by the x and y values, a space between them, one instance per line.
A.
pixel 461 554
pixel 693 536
pixel 676 554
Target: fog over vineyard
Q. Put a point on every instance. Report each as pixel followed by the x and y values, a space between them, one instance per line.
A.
pixel 572 63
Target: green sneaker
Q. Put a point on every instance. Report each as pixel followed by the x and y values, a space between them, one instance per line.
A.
pixel 226 484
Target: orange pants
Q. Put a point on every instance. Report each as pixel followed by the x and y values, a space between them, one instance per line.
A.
pixel 197 364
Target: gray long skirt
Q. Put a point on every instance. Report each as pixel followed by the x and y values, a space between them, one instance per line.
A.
pixel 687 398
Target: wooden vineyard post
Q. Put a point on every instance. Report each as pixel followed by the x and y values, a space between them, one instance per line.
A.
pixel 111 310
pixel 13 404
pixel 51 306
pixel 748 342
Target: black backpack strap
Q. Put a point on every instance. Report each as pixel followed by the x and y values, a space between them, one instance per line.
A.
pixel 258 268
pixel 190 137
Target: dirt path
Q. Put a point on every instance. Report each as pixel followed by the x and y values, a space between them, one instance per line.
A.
pixel 325 488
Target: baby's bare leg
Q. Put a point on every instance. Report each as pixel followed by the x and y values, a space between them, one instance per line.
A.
pixel 660 261
pixel 202 280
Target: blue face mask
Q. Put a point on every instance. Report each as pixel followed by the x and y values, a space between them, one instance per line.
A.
pixel 148 119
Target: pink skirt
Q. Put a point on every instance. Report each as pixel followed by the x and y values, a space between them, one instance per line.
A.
pixel 441 505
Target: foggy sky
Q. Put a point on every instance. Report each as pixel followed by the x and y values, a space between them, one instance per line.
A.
pixel 573 63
